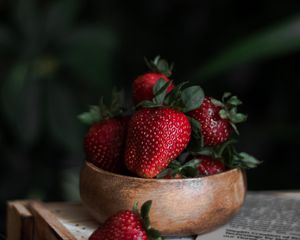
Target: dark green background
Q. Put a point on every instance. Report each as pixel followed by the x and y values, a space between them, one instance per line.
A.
pixel 57 57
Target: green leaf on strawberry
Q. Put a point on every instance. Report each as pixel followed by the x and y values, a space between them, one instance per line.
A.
pixel 185 170
pixel 152 233
pixel 90 117
pixel 218 118
pixel 227 153
pixel 196 144
pixel 229 110
pixel 145 209
pixel 232 158
pixel 117 102
pixel 173 97
pixel 244 160
pixel 234 101
pixel 226 95
pixel 160 91
pixel 189 169
pixel 237 117
pixel 102 111
pixel 182 99
pixel 192 97
pixel 205 151
pixel 160 66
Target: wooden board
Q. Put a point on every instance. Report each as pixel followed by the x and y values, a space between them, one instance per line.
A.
pixel 33 220
pixel 74 218
pixel 19 221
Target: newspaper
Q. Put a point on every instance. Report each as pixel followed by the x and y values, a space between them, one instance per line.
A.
pixel 264 216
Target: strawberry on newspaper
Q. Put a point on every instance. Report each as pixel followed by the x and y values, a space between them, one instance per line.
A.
pixel 128 225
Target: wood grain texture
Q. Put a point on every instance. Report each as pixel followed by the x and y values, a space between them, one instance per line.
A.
pixel 19 221
pixel 46 224
pixel 32 220
pixel 75 219
pixel 180 206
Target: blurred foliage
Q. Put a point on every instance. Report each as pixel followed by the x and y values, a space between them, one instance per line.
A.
pixel 58 57
pixel 53 62
pixel 275 41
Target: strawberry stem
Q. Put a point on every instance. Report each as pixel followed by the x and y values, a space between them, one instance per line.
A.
pixel 152 233
pixel 135 208
pixel 102 111
pixel 179 98
pixel 188 169
pixel 160 65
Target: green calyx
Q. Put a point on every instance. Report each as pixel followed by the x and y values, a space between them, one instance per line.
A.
pixel 196 143
pixel 98 113
pixel 229 105
pixel 160 65
pixel 235 159
pixel 182 98
pixel 184 169
pixel 152 233
pixel 227 153
pixel 228 111
pixel 216 152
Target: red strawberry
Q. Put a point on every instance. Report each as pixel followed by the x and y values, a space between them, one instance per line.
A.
pixel 218 119
pixel 105 140
pixel 155 137
pixel 127 225
pixel 209 165
pixel 214 129
pixel 104 143
pixel 124 225
pixel 142 88
pixel 194 166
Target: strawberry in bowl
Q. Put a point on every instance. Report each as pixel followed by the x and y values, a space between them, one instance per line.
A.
pixel 177 148
pixel 142 86
pixel 104 142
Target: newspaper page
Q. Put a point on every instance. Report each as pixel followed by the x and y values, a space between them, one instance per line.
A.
pixel 264 216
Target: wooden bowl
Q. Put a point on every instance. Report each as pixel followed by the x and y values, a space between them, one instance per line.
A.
pixel 180 206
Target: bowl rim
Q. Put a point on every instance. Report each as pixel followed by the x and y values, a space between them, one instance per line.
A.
pixel 101 171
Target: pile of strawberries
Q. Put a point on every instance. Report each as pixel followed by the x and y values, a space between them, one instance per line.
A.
pixel 174 130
